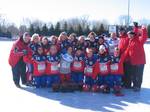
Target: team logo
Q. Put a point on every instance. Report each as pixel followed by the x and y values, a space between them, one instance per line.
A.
pixel 80 58
pixel 90 62
pixel 105 59
pixel 117 59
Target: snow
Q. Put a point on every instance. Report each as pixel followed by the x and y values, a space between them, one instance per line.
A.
pixel 42 100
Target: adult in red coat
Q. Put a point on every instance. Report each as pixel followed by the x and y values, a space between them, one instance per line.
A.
pixel 18 50
pixel 136 54
pixel 124 40
pixel 123 44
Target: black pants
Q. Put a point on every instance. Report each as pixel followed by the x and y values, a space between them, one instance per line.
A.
pixel 127 75
pixel 19 71
pixel 137 75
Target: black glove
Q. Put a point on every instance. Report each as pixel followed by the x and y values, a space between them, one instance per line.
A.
pixel 25 52
pixel 135 24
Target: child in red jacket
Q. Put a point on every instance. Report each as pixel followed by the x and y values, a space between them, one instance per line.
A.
pixel 52 69
pixel 102 69
pixel 32 48
pixel 89 77
pixel 39 67
pixel 116 71
pixel 78 67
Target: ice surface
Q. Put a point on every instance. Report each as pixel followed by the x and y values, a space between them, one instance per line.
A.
pixel 13 99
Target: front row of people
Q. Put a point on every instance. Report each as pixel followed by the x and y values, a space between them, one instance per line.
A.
pixel 86 70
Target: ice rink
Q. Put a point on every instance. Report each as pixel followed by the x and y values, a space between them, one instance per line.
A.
pixel 28 99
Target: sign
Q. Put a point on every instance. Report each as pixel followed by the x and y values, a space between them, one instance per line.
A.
pixel 112 29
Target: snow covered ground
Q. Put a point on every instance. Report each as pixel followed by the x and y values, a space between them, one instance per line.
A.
pixel 42 100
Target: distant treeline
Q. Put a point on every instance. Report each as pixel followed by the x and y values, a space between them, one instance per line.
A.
pixel 80 26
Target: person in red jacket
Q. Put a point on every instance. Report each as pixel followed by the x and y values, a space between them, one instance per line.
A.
pixel 18 50
pixel 35 42
pixel 116 71
pixel 123 44
pixel 102 69
pixel 89 77
pixel 52 69
pixel 39 68
pixel 77 67
pixel 136 54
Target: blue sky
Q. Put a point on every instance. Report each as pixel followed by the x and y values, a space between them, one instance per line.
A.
pixel 54 10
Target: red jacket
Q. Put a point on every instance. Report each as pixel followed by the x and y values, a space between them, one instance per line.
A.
pixel 116 66
pixel 16 52
pixel 135 50
pixel 39 64
pixel 52 64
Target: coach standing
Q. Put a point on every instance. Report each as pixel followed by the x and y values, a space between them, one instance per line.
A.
pixel 136 54
pixel 19 49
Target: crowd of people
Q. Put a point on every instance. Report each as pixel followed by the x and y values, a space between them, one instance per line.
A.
pixel 93 63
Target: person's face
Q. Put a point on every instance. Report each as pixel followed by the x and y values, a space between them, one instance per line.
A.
pixel 45 41
pixel 69 50
pixel 54 39
pixel 78 52
pixel 40 50
pixel 101 41
pixel 53 50
pixel 89 54
pixel 121 32
pixel 102 51
pixel 81 40
pixel 116 53
pixel 27 39
pixel 36 40
pixel 63 37
pixel 92 38
pixel 130 36
pixel 113 35
pixel 71 38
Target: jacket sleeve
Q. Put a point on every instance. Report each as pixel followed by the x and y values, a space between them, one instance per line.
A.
pixel 27 59
pixel 122 58
pixel 124 55
pixel 144 35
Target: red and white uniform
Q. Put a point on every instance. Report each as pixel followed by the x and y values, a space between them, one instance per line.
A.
pixel 90 66
pixel 52 63
pixel 116 66
pixel 39 65
pixel 103 65
pixel 78 64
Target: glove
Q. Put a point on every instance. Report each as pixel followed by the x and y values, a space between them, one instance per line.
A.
pixel 135 24
pixel 25 52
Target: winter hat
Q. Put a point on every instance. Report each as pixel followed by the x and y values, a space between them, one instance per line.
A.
pixel 63 33
pixel 35 35
pixel 102 47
